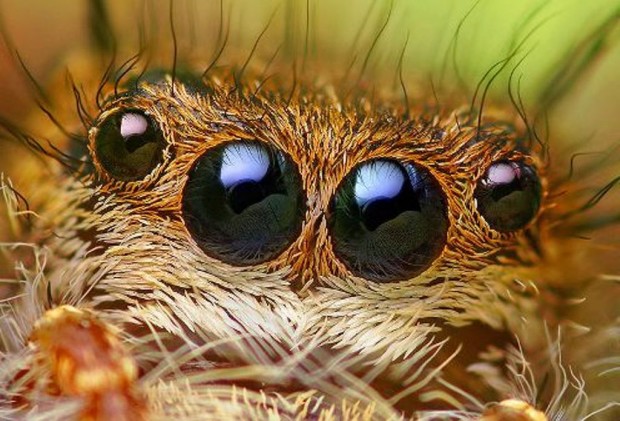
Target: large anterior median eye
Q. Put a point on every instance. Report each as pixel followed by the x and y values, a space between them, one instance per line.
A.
pixel 508 196
pixel 128 145
pixel 243 202
pixel 388 221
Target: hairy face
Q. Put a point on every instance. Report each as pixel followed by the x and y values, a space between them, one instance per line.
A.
pixel 278 225
pixel 239 242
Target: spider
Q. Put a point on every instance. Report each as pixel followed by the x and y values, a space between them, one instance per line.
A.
pixel 252 241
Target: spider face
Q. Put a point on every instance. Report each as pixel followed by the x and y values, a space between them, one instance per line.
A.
pixel 327 192
pixel 312 215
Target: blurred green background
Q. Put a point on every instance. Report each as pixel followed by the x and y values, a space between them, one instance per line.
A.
pixel 343 31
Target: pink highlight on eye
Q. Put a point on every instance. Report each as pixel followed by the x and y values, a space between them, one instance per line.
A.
pixel 502 173
pixel 133 124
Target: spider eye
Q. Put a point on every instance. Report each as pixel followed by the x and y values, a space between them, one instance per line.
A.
pixel 388 221
pixel 128 145
pixel 243 202
pixel 508 196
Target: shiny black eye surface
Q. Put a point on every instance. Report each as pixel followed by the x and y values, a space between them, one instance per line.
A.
pixel 508 195
pixel 243 202
pixel 128 145
pixel 388 221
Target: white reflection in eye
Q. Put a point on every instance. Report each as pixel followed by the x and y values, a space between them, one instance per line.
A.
pixel 501 173
pixel 377 180
pixel 133 124
pixel 242 163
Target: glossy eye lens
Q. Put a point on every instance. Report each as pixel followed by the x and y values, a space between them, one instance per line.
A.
pixel 243 202
pixel 128 145
pixel 388 221
pixel 508 195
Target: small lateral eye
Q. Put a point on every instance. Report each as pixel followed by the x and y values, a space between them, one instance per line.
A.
pixel 128 145
pixel 508 195
pixel 388 221
pixel 243 202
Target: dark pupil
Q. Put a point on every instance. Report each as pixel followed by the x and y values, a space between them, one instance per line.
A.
pixel 510 206
pixel 383 210
pixel 133 143
pixel 243 202
pixel 129 154
pixel 500 191
pixel 388 221
pixel 246 193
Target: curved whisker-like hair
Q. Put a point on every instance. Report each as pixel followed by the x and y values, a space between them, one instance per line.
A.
pixel 175 47
pixel 105 78
pixel 576 62
pixel 39 91
pixel 573 159
pixel 125 68
pixel 16 133
pixel 58 124
pixel 354 45
pixel 453 48
pixel 492 74
pixel 375 41
pixel 82 112
pixel 401 80
pixel 519 106
pixel 264 77
pixel 238 76
pixel 222 41
pixel 600 221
